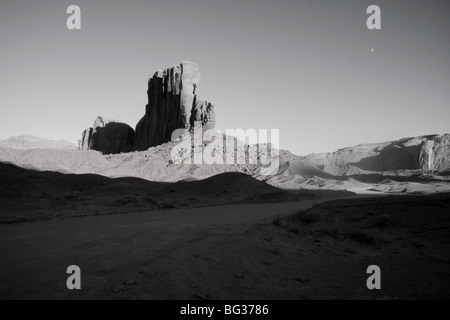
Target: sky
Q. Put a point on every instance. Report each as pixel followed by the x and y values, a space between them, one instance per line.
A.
pixel 306 68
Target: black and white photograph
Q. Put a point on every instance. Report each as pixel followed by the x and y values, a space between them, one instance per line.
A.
pixel 240 152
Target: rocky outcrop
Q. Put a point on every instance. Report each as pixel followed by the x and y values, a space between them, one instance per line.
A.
pixel 435 154
pixel 86 136
pixel 172 104
pixel 426 153
pixel 203 111
pixel 108 136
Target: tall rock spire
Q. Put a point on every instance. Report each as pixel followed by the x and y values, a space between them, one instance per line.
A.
pixel 172 104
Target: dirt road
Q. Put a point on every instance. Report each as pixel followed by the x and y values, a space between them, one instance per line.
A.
pixel 236 252
pixel 118 253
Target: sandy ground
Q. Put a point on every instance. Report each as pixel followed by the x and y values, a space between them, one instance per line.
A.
pixel 242 251
pixel 295 172
pixel 118 249
pixel 28 195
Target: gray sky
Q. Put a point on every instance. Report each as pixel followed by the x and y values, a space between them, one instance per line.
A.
pixel 304 67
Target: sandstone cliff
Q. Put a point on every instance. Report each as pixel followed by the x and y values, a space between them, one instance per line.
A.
pixel 435 154
pixel 108 136
pixel 426 153
pixel 86 136
pixel 172 104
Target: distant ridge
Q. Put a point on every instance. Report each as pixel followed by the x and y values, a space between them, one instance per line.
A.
pixel 28 141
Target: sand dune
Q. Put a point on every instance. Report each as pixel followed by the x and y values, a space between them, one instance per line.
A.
pixel 28 195
pixel 363 169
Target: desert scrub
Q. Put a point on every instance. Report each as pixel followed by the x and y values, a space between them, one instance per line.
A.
pixel 334 228
pixel 279 222
pixel 308 217
pixel 382 221
pixel 362 237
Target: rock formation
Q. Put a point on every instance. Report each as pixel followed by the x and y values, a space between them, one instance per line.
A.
pixel 426 153
pixel 172 104
pixel 86 136
pixel 203 111
pixel 435 153
pixel 108 136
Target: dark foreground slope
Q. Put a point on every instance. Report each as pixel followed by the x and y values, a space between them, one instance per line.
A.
pixel 28 195
pixel 239 251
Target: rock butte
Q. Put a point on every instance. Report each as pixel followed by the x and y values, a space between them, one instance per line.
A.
pixel 173 103
pixel 108 136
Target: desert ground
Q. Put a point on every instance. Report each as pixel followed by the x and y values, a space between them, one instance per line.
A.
pixel 313 146
pixel 142 227
pixel 282 246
